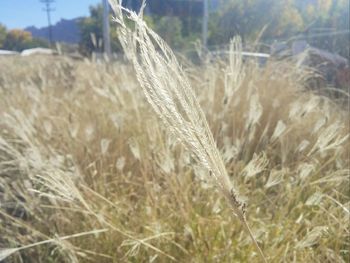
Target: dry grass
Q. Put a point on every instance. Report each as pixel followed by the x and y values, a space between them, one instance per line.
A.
pixel 81 151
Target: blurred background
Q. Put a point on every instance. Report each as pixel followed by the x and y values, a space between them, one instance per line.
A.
pixel 314 32
pixel 264 25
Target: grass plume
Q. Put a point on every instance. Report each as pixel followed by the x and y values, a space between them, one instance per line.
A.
pixel 169 92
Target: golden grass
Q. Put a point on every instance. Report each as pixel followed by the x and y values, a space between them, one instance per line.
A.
pixel 81 150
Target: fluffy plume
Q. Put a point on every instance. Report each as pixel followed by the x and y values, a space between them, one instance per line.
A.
pixel 168 90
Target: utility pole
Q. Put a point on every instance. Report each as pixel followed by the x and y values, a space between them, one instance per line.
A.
pixel 106 36
pixel 48 11
pixel 205 24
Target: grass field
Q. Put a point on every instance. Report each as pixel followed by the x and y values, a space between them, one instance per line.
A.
pixel 81 150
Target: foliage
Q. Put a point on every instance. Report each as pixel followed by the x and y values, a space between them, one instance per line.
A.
pixel 284 20
pixel 170 28
pixel 37 42
pixel 276 20
pixel 19 40
pixel 91 30
pixel 2 35
pixel 327 17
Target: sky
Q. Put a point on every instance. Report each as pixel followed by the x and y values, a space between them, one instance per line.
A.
pixel 24 13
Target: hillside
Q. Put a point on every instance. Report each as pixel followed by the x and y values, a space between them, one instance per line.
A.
pixel 63 31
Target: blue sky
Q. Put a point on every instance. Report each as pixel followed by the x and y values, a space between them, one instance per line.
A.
pixel 23 13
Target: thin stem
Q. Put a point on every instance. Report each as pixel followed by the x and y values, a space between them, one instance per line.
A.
pixel 247 228
pixel 62 238
pixel 239 209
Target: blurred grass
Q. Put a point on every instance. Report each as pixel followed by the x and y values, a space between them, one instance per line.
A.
pixel 80 149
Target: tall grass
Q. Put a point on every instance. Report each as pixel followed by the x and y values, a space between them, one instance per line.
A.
pixel 170 94
pixel 81 150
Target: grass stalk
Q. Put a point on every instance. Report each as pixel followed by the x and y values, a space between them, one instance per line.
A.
pixel 167 89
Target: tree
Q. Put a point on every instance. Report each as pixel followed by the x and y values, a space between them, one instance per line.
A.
pixel 288 21
pixel 281 20
pixel 17 40
pixel 169 28
pixel 248 18
pixel 91 32
pixel 323 19
pixel 3 32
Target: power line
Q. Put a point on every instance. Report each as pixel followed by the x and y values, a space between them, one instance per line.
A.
pixel 48 11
